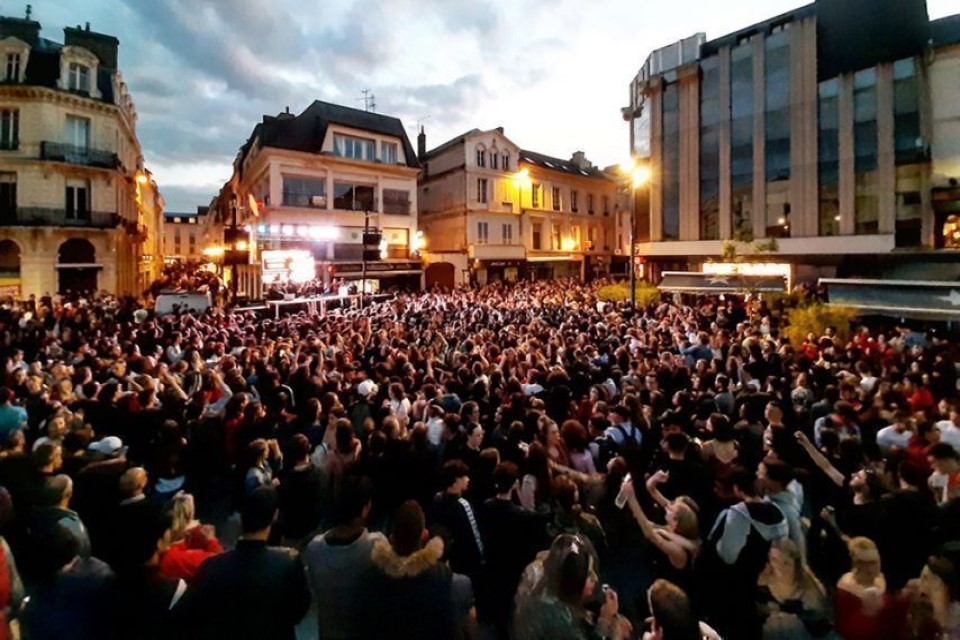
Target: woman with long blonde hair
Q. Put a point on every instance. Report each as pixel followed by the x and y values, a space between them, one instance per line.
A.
pixel 792 601
pixel 187 543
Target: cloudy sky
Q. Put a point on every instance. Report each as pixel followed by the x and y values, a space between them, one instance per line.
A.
pixel 554 73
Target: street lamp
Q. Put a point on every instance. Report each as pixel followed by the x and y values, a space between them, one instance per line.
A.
pixel 639 175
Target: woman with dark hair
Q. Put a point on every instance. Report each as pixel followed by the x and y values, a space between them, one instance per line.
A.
pixel 554 593
pixel 576 440
pixel 536 487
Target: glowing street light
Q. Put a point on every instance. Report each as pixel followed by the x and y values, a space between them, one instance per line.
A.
pixel 640 176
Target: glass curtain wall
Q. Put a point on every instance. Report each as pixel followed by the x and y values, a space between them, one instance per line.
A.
pixel 741 139
pixel 776 68
pixel 710 116
pixel 865 142
pixel 671 162
pixel 828 113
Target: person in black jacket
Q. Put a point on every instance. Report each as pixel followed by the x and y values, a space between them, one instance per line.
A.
pixel 455 519
pixel 300 493
pixel 254 591
pixel 512 536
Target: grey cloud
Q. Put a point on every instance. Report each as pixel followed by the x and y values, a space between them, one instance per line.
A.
pixel 186 199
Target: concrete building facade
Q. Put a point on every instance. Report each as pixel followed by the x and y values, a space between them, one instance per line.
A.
pixel 492 211
pixel 312 182
pixel 76 208
pixel 816 134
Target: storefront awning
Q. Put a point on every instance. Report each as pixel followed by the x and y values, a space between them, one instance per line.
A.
pixel 914 299
pixel 707 283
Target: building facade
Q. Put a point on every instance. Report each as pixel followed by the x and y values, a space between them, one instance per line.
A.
pixel 492 211
pixel 70 201
pixel 310 183
pixel 812 135
pixel 187 236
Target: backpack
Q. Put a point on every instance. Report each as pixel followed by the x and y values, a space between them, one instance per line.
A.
pixel 630 449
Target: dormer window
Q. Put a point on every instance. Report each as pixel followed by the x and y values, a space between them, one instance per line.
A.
pixel 13 67
pixel 79 78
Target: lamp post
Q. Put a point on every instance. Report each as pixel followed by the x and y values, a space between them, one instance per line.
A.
pixel 639 176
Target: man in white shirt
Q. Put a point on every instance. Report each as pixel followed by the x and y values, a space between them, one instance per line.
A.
pixel 950 429
pixel 896 435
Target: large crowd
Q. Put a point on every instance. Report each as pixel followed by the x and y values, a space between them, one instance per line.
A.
pixel 513 461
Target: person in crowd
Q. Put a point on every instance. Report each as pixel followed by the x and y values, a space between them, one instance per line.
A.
pixel 945 479
pixel 339 560
pixel 300 494
pixel 454 516
pixel 792 601
pixel 863 607
pixel 187 543
pixel 552 599
pixel 254 591
pixel 672 615
pixel 410 591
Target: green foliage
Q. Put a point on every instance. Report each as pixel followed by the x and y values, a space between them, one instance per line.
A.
pixel 815 318
pixel 647 294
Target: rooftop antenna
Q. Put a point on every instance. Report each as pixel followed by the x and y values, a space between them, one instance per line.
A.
pixel 29 11
pixel 369 100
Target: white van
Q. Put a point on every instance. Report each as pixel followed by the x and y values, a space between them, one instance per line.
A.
pixel 199 302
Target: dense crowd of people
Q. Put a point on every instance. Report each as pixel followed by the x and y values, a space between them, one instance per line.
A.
pixel 515 461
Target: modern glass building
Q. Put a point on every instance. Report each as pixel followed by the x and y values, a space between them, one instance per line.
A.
pixel 828 135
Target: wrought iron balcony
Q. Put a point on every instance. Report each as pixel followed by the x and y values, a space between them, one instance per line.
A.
pixel 46 217
pixel 75 154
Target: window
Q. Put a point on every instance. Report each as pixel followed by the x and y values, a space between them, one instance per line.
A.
pixel 9 128
pixel 304 192
pixel 78 200
pixel 537 236
pixel 396 201
pixel 866 152
pixel 193 244
pixel 388 153
pixel 710 117
pixel 354 148
pixel 506 162
pixel 13 67
pixel 494 157
pixel 354 197
pixel 482 190
pixel 78 78
pixel 176 241
pixel 574 205
pixel 556 198
pixel 555 237
pixel 606 205
pixel 741 141
pixel 575 234
pixel 8 196
pixel 670 170
pixel 535 196
pixel 908 140
pixel 590 203
pixel 481 157
pixel 78 132
pixel 483 232
pixel 508 234
pixel 828 113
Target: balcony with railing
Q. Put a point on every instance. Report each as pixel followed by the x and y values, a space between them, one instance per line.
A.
pixel 76 154
pixel 48 217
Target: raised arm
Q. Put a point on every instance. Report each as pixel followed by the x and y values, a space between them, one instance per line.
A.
pixel 820 460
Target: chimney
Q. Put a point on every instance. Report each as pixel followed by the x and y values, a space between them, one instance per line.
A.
pixel 26 30
pixel 500 130
pixel 421 144
pixel 105 47
pixel 580 159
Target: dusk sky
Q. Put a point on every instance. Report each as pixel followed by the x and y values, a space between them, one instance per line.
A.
pixel 553 73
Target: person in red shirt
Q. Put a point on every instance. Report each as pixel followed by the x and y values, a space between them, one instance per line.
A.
pixel 917 393
pixel 188 543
